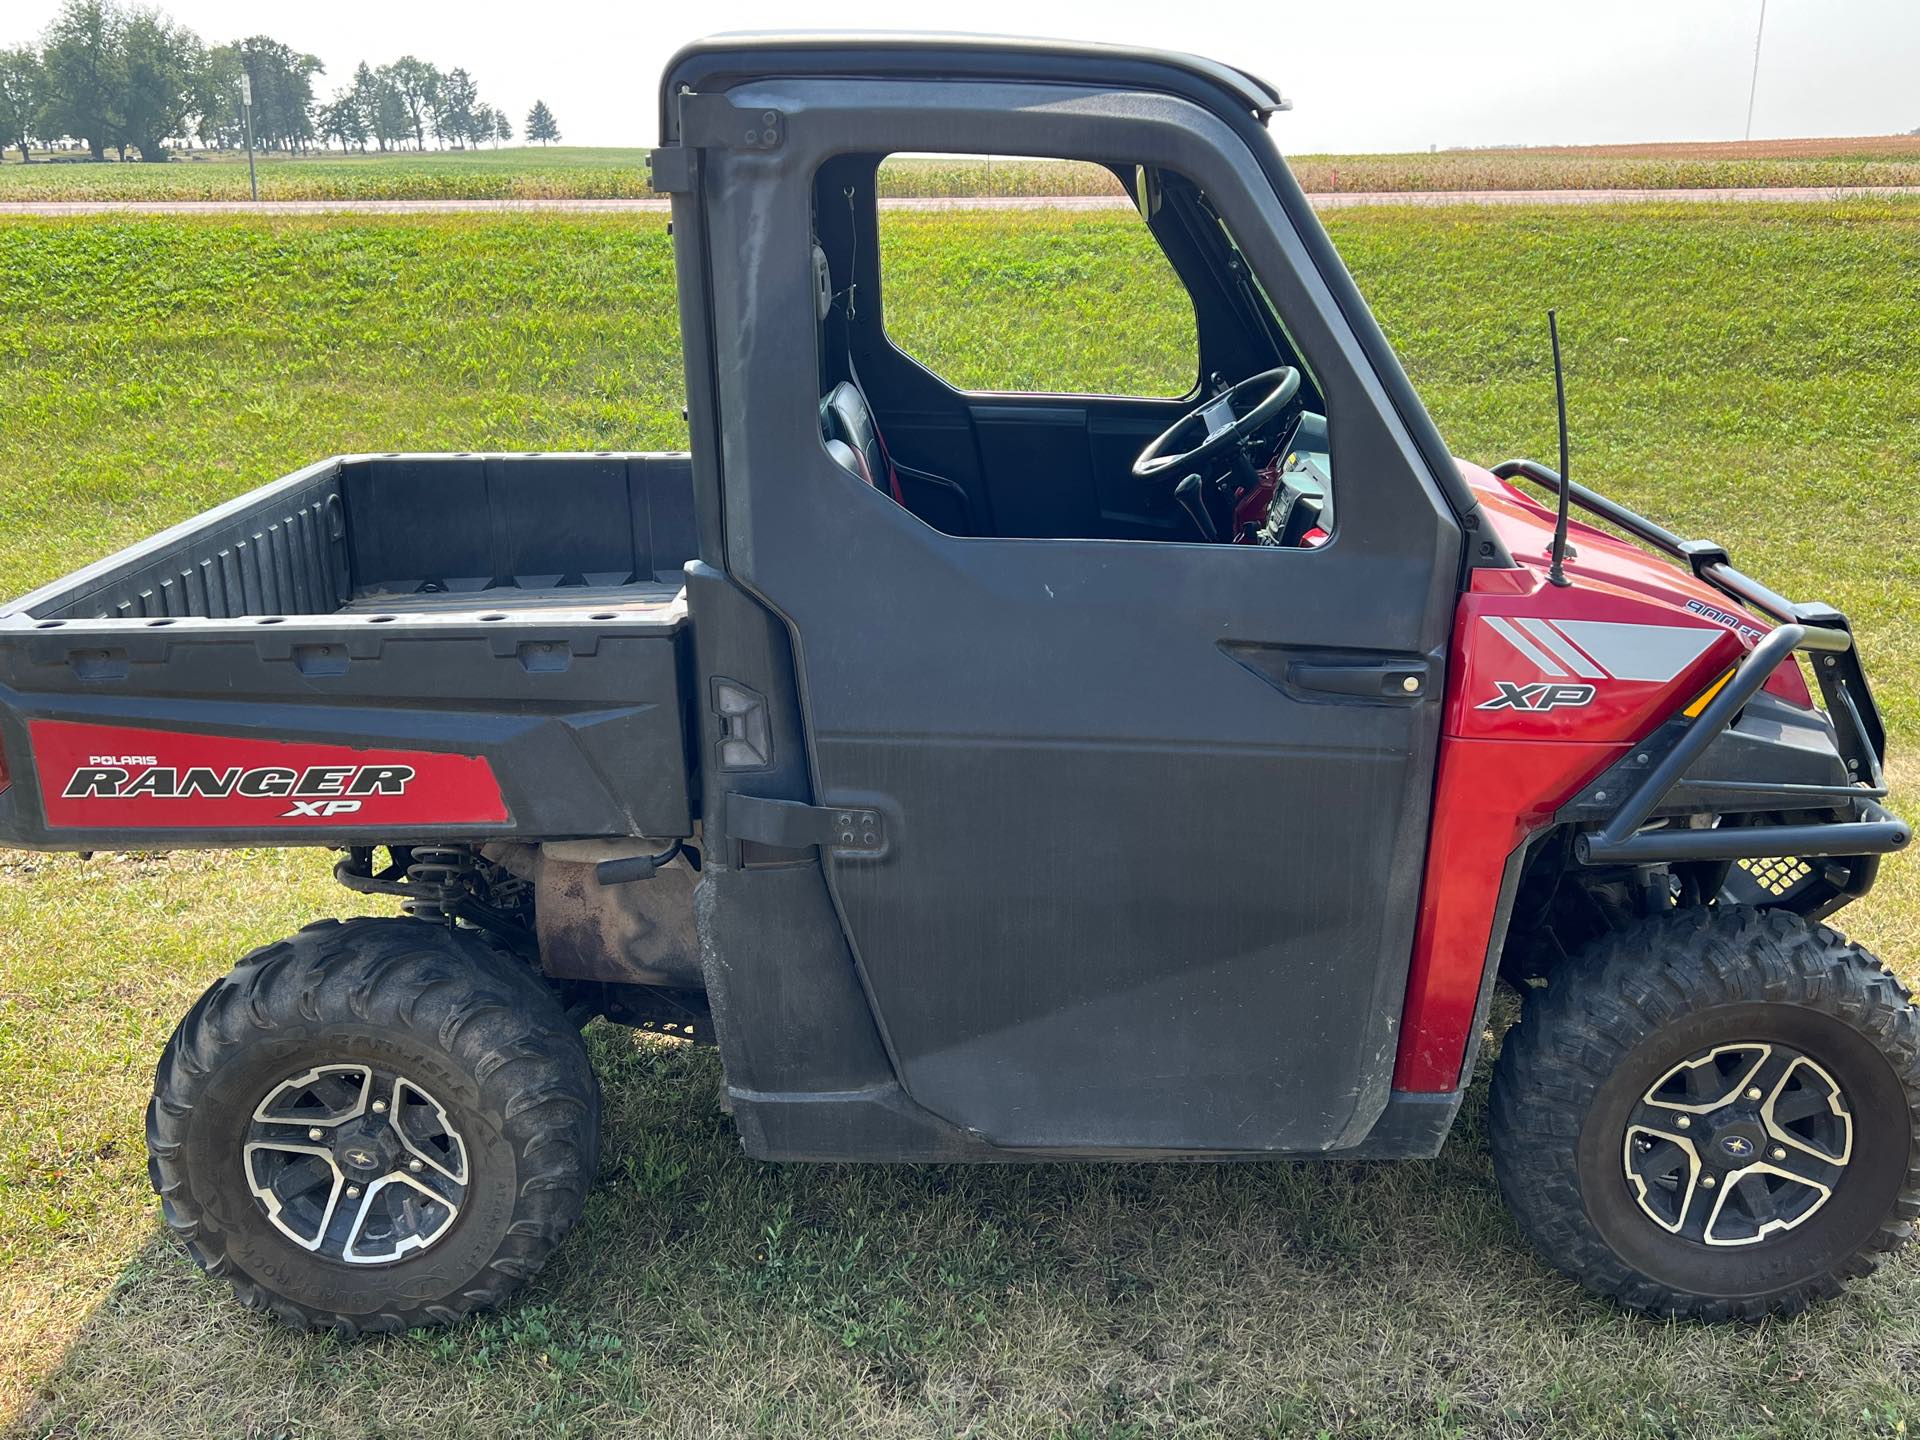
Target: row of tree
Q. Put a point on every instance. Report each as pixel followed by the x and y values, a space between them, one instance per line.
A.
pixel 130 79
pixel 390 105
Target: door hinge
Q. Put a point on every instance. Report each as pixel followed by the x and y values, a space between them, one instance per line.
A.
pixel 670 169
pixel 793 825
pixel 712 122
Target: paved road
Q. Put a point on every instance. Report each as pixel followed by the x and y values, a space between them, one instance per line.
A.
pixel 1341 201
pixel 1802 194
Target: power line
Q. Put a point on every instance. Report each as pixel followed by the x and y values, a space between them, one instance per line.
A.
pixel 1754 89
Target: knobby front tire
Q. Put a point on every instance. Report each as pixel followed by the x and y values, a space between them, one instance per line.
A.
pixel 1713 1115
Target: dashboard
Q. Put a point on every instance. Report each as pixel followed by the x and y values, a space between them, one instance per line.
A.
pixel 1300 512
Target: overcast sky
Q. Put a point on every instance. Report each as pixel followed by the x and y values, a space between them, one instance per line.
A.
pixel 1363 74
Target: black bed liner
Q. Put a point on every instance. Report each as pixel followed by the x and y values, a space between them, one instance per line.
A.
pixel 446 531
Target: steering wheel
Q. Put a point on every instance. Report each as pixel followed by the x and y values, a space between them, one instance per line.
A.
pixel 1224 423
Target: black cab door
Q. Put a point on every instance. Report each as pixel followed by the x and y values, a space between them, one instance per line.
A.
pixel 1151 864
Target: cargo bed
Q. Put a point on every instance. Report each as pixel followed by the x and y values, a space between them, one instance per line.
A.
pixel 428 645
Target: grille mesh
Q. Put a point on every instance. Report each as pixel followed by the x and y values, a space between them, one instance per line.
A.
pixel 1777 875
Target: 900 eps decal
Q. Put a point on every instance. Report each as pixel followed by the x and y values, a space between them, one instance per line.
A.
pixel 1741 625
pixel 96 775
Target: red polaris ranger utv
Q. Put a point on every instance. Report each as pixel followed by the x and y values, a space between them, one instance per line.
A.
pixel 992 776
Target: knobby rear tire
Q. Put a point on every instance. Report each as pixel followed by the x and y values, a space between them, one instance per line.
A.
pixel 493 1044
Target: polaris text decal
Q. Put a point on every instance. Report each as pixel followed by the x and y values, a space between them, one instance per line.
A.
pixel 96 776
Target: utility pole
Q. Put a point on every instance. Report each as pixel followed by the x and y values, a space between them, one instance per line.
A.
pixel 1754 89
pixel 246 106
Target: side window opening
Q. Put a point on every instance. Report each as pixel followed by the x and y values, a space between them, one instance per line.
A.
pixel 1030 299
pixel 1096 360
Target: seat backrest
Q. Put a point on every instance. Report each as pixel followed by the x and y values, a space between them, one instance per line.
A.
pixel 846 417
pixel 847 423
pixel 848 458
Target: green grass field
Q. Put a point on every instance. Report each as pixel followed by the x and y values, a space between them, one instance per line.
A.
pixel 578 172
pixel 1743 372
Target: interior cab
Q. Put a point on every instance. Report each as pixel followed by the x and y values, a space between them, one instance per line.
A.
pixel 1230 448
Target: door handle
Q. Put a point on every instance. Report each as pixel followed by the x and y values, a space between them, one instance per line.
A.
pixel 1400 680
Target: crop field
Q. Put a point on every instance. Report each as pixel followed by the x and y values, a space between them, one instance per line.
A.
pixel 533 172
pixel 1731 164
pixel 1743 372
pixel 578 172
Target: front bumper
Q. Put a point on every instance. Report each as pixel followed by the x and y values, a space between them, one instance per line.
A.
pixel 1855 823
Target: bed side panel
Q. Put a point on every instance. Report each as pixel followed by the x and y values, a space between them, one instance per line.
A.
pixel 281 549
pixel 578 724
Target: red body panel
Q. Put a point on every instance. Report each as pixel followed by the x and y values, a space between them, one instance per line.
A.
pixel 1490 796
pixel 95 776
pixel 1546 687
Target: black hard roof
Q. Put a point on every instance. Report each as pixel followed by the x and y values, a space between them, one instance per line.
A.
pixel 719 59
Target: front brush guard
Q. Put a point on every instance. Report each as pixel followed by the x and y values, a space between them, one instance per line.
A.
pixel 1870 829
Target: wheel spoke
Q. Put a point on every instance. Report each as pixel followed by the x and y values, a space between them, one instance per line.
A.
pixel 345 1223
pixel 1664 1159
pixel 436 1183
pixel 1756 1197
pixel 1700 1207
pixel 392 1220
pixel 1663 1171
pixel 1807 1115
pixel 1772 1072
pixel 287 1145
pixel 1708 1081
pixel 1744 1065
pixel 299 1179
pixel 326 1096
pixel 298 1185
pixel 423 1129
pixel 1800 1104
pixel 1694 1079
pixel 1803 1167
pixel 340 1092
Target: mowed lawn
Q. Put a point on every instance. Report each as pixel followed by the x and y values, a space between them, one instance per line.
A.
pixel 1748 373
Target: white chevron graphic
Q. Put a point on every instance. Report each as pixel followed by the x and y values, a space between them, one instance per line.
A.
pixel 1605 649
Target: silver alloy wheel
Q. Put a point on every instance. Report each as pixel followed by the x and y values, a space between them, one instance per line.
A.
pixel 1737 1144
pixel 355 1163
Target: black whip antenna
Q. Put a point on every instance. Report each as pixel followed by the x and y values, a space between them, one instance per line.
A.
pixel 1556 572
